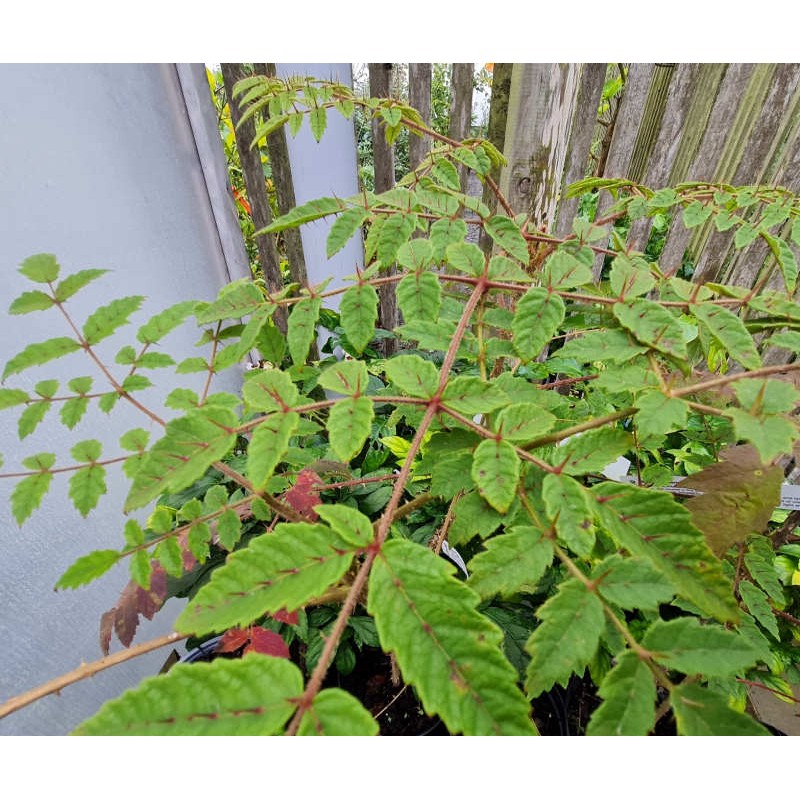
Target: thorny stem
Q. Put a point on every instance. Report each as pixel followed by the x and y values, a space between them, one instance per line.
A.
pixel 564 433
pixel 73 468
pixel 211 371
pixel 723 380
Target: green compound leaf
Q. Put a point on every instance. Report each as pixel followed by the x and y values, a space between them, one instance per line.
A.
pixel 443 233
pixel 659 414
pixel 359 313
pixel 308 212
pixel 629 695
pixel 631 582
pixel 283 569
pixel 563 270
pixel 507 235
pixel 189 447
pixel 343 228
pixel 771 435
pixel 650 524
pixel 448 651
pixel 31 301
pixel 75 282
pixel 269 444
pixel 347 377
pixel 470 395
pixel 413 375
pixel 495 470
pixel 88 568
pixel 103 322
pixel 512 562
pixel 758 605
pixel 349 425
pixel 521 422
pixel 251 696
pixel 730 331
pixel 611 345
pixel 351 525
pixel 86 486
pixel 270 390
pixel 538 316
pixel 167 320
pixel 591 451
pixel 334 712
pixel 785 258
pixel 419 295
pixel 302 327
pixel 393 233
pixel 40 353
pixel 702 712
pixel 568 507
pixel 652 325
pixel 30 418
pixel 466 257
pixel 565 642
pixel 41 268
pixel 27 495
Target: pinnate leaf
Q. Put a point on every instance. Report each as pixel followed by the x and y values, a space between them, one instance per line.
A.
pixel 167 320
pixel 308 212
pixel 30 418
pixel 563 270
pixel 88 568
pixel 12 397
pixel 770 434
pixel 445 648
pixel 470 395
pixel 607 345
pixel 631 582
pixel 758 605
pixel 591 451
pixel 351 525
pixel 393 233
pixel 520 422
pixel 629 697
pixel 346 377
pixel 359 313
pixel 659 414
pixel 86 486
pixel 334 712
pixel 103 322
pixel 27 495
pixel 270 390
pixel 444 232
pixel 466 257
pixel 568 507
pixel 40 353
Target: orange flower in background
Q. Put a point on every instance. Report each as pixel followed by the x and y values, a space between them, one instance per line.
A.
pixel 241 200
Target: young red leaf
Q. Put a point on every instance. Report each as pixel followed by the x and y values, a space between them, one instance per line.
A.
pixel 289 617
pixel 302 497
pixel 232 640
pixel 267 643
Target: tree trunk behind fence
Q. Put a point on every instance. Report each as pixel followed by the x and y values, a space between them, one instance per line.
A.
pixel 461 108
pixel 419 97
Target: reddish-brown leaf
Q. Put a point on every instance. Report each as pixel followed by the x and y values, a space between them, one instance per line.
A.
pixel 133 602
pixel 303 496
pixel 189 561
pixel 126 617
pixel 106 627
pixel 267 643
pixel 232 640
pixel 290 618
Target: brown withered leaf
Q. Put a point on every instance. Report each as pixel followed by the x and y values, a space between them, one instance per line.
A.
pixel 739 495
pixel 106 629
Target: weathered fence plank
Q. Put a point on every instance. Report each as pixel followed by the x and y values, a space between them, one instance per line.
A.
pixel 419 97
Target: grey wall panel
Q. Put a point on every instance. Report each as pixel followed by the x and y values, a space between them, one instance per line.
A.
pixel 99 165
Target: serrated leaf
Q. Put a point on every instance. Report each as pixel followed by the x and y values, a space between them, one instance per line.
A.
pixel 270 390
pixel 141 569
pixel 251 696
pixel 234 301
pixel 334 712
pixel 470 395
pixel 162 323
pixel 269 444
pixel 168 554
pixel 508 236
pixel 630 277
pixel 730 331
pixel 134 383
pixel 192 364
pixel 347 377
pixel 107 402
pixel 629 695
pixel 568 507
pixel 415 254
pixel 413 375
pixel 766 396
pixel 653 325
pixel 761 568
pixel 538 317
pixel 103 322
pixel 466 257
pixel 88 568
pixel 419 295
pixel 786 260
pixel 473 516
pixel 358 314
pixel 504 269
pixel 308 212
pixel 696 214
pixel 40 353
pixel 771 435
pixel 591 451
pixel 565 642
pixel 75 282
pixel 31 301
pixel 343 228
pixel 198 540
pixel 496 470
pixel 393 233
pixel 650 524
pixel 520 422
pixel 283 569
pixel 612 345
pixel 41 268
pixel 448 651
pixel 563 270
pixel 443 233
pixel 513 562
pixel 631 582
pixel 30 418
pixel 135 439
pixel 190 445
pixel 446 174
pixel 86 486
pixel 702 712
pixel 318 120
pixel 182 399
pixel 27 495
pixel 349 425
pixel 302 328
pixel 758 605
pixel 12 397
pixel 229 528
pixel 659 414
pixel 154 361
pixel 351 525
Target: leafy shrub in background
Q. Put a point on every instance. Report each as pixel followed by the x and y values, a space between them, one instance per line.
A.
pixel 307 517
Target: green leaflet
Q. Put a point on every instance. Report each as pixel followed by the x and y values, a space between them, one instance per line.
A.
pixel 343 228
pixel 631 582
pixel 346 377
pixel 466 257
pixel 351 525
pixel 652 525
pixel 393 233
pixel 12 397
pixel 758 605
pixel 229 528
pixel 416 254
pixel 251 696
pixel 302 327
pixel 359 313
pixel 507 235
pixel 770 434
pixel 86 486
pixel 30 418
pixel 318 121
pixel 730 331
pixel 107 319
pixel 659 414
pixel 563 270
pixel 520 422
pixel 445 232
pixel 446 174
pixel 448 459
pixel 538 316
pixel 630 277
pixel 419 295
pixel 785 258
pixel 269 444
pixel 164 322
pixel 140 568
pixel 473 517
pixel 702 712
pixel 495 470
pixel 334 712
pixel 189 447
pixel 766 396
pixel 27 495
pixel 75 282
pixel 653 325
pixel 629 695
pixel 512 562
pixel 470 395
pixel 568 507
pixel 504 270
pixel 41 268
pixel 413 375
pixel 31 301
pixel 349 425
pixel 88 568
pixel 591 451
pixel 308 212
pixel 565 642
pixel 442 204
pixel 270 390
pixel 448 651
pixel 40 353
pixel 235 300
pixel 759 560
pixel 168 554
pixel 283 569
